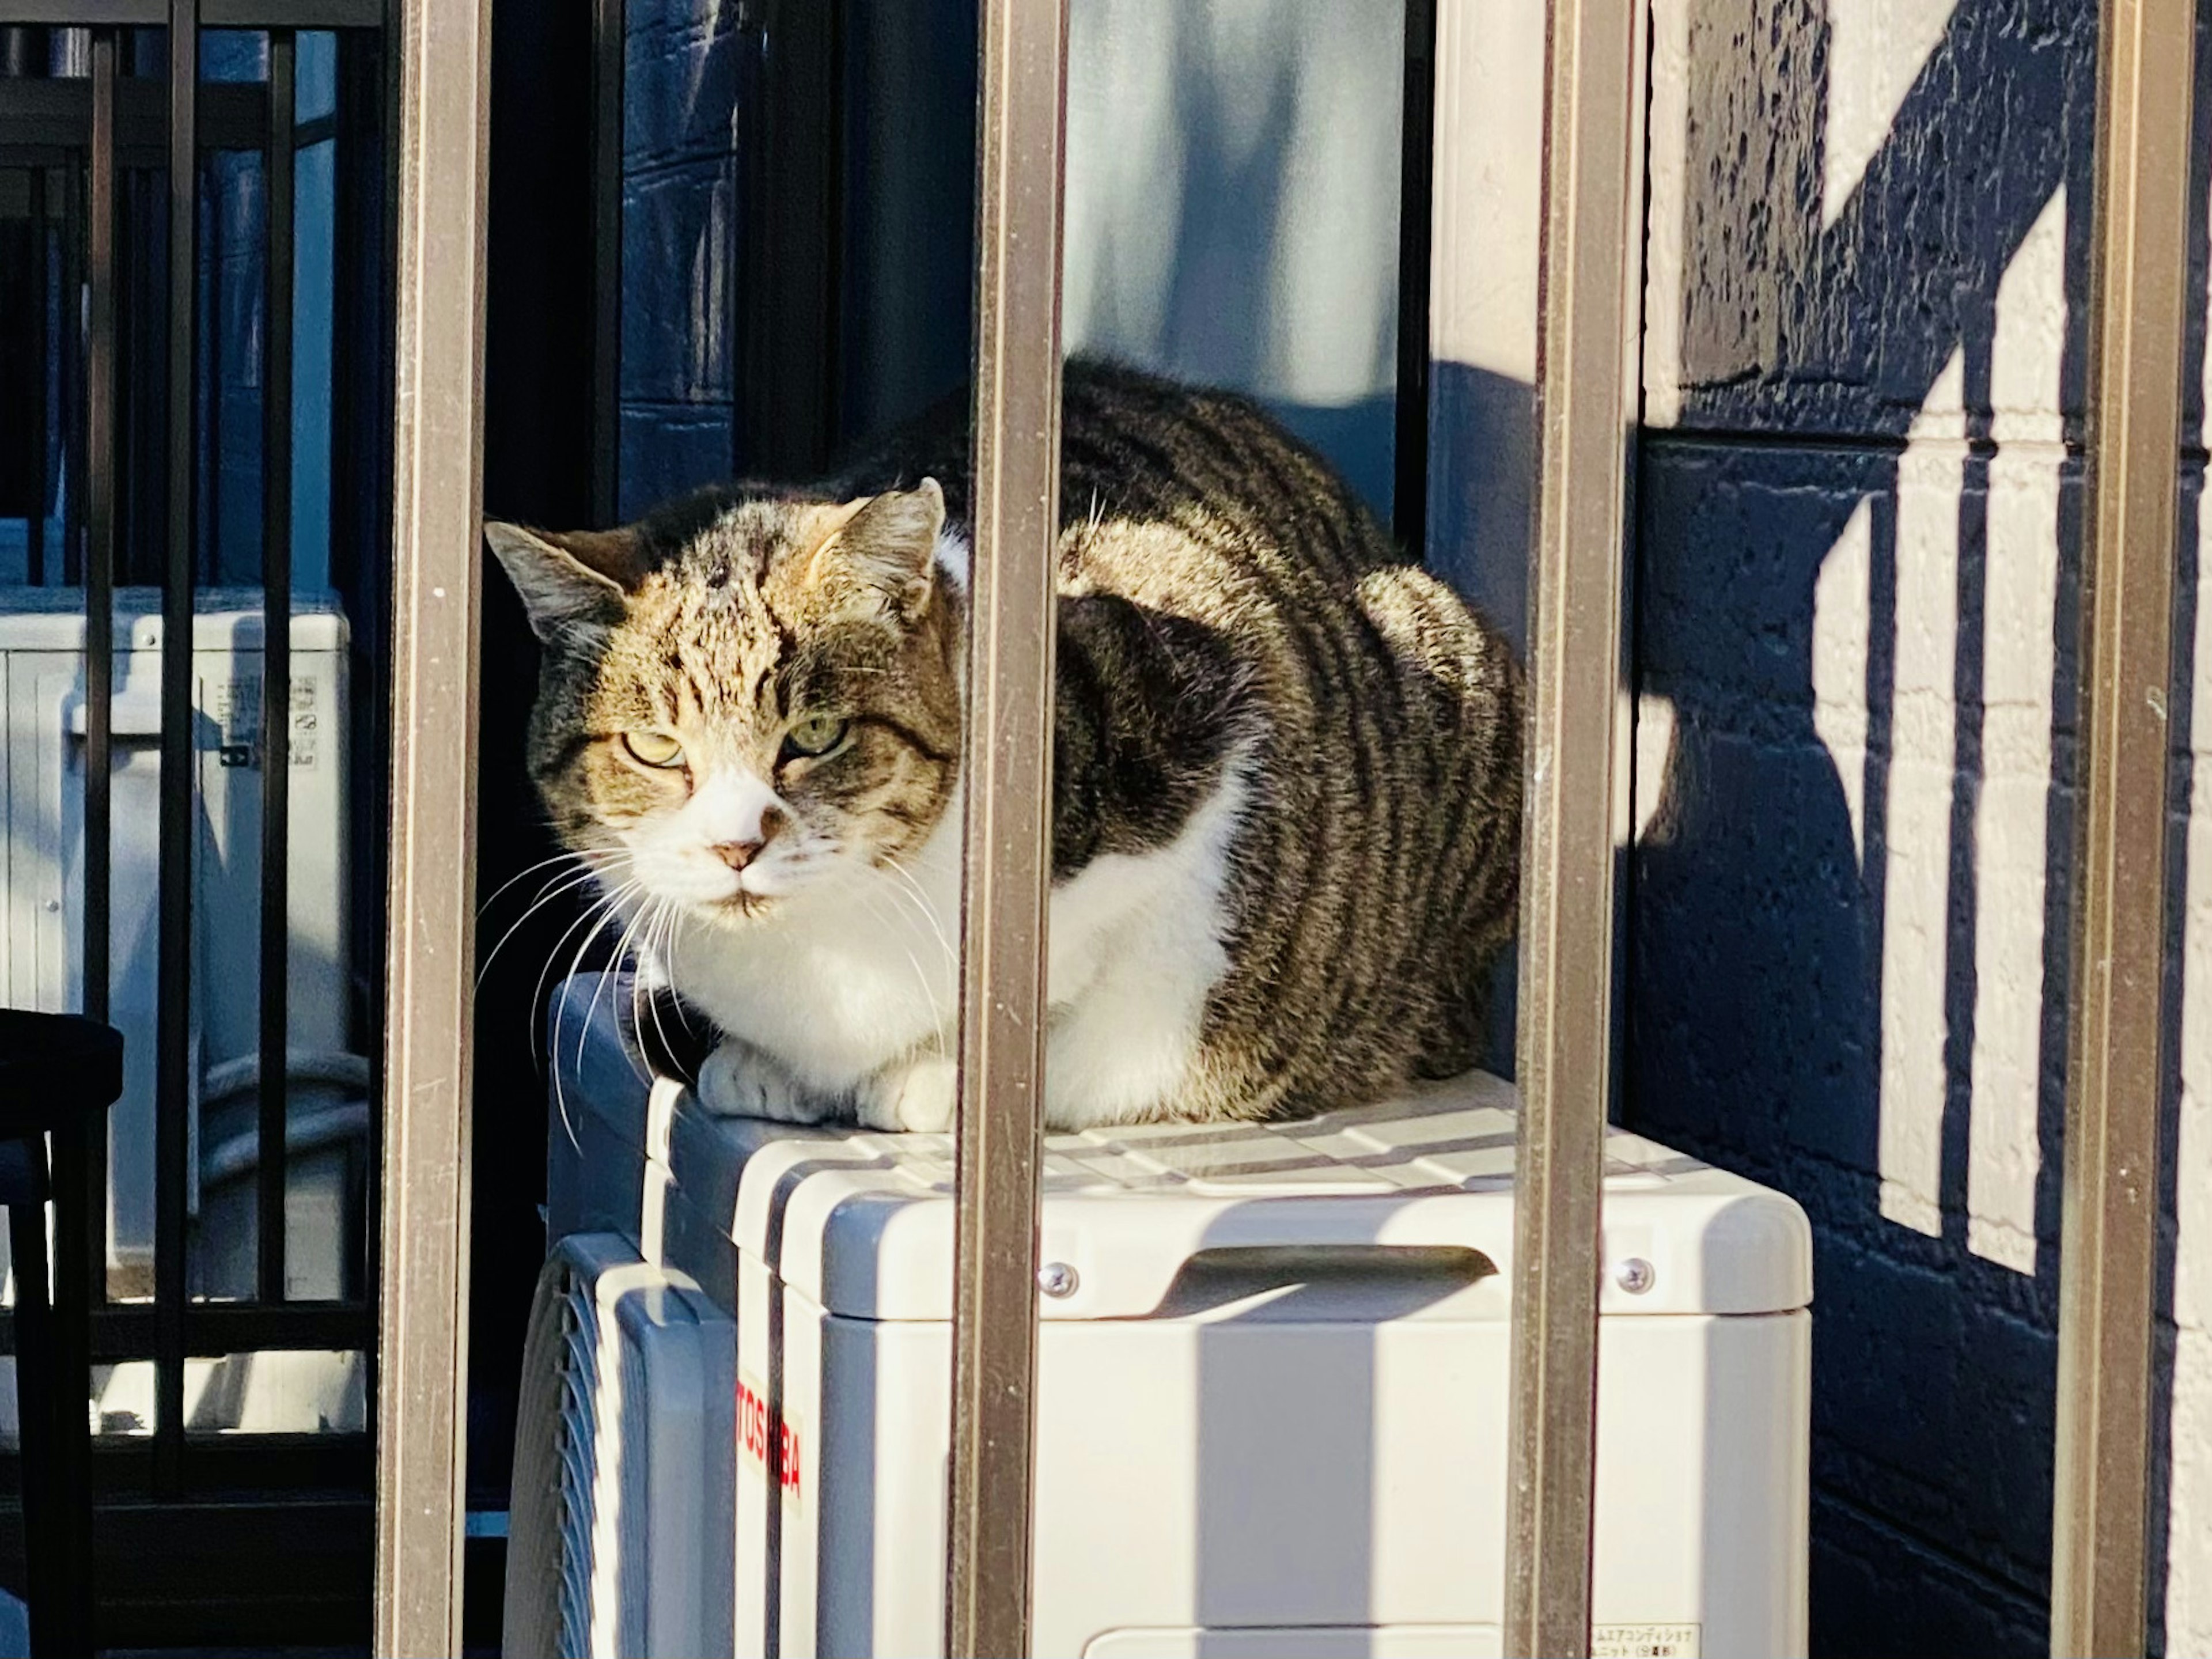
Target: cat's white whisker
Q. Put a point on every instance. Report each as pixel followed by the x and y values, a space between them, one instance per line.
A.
pixel 669 921
pixel 604 909
pixel 622 951
pixel 583 857
pixel 545 896
pixel 928 911
pixel 929 997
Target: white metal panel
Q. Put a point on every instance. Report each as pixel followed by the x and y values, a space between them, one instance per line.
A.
pixel 41 669
pixel 1310 1466
pixel 628 1538
pixel 1300 1478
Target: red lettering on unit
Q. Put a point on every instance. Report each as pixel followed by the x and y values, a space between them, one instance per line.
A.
pixel 759 1427
pixel 787 1446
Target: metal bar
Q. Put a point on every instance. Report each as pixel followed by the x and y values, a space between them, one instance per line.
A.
pixel 291 15
pixel 123 1331
pixel 1409 495
pixel 72 370
pixel 791 218
pixel 79 1175
pixel 35 428
pixel 609 59
pixel 363 235
pixel 46 119
pixel 45 1552
pixel 1008 836
pixel 214 14
pixel 86 14
pixel 437 475
pixel 2108 1254
pixel 1564 1052
pixel 172 1027
pixel 101 440
pixel 275 672
pixel 76 1248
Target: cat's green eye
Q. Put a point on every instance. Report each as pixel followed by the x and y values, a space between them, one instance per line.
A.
pixel 815 734
pixel 653 748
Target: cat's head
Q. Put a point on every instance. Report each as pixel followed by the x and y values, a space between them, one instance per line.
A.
pixel 745 696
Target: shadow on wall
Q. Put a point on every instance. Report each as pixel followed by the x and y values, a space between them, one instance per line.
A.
pixel 1858 525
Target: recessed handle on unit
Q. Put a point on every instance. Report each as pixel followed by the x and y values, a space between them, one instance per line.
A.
pixel 1320 1282
pixel 135 717
pixel 131 716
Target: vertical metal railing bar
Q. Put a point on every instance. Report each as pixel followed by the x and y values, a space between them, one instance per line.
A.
pixel 1409 502
pixel 100 439
pixel 276 668
pixel 2108 1240
pixel 365 232
pixel 445 48
pixel 609 59
pixel 35 426
pixel 78 1251
pixel 1563 1052
pixel 789 379
pixel 173 1030
pixel 1008 836
pixel 72 372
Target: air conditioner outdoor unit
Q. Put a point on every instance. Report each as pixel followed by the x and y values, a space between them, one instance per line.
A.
pixel 1272 1376
pixel 42 892
pixel 619 1533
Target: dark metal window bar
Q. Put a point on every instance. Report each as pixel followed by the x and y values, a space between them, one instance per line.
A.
pixel 85 142
pixel 2109 1222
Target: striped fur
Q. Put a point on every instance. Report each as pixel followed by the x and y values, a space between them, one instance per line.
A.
pixel 1287 793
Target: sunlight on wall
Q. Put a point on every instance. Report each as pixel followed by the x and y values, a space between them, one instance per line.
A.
pixel 1666 233
pixel 1916 835
pixel 1876 53
pixel 2018 492
pixel 2012 849
pixel 1652 735
pixel 1842 619
pixel 2189 1527
pixel 2189 1609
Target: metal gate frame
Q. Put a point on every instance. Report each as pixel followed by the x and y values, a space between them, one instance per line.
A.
pixel 91 130
pixel 1586 382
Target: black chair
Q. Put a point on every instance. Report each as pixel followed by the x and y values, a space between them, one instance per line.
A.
pixel 58 1075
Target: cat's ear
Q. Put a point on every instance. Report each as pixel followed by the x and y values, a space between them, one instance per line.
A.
pixel 884 547
pixel 578 578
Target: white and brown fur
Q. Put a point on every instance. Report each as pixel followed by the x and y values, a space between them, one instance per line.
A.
pixel 1286 773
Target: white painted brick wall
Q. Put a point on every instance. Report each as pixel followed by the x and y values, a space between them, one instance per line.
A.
pixel 1865 270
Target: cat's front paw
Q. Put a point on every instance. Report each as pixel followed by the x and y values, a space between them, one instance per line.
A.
pixel 738 1081
pixel 916 1095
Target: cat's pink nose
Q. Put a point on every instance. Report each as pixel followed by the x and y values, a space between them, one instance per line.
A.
pixel 737 853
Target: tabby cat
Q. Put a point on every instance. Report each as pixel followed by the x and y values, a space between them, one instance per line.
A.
pixel 1286 790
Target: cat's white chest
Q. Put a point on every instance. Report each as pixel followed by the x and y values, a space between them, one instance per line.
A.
pixel 839 984
pixel 848 981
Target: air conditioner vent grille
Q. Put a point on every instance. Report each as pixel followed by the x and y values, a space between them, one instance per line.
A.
pixel 620 1527
pixel 578 1509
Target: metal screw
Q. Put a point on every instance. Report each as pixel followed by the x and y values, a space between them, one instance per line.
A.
pixel 1057 1278
pixel 1634 1275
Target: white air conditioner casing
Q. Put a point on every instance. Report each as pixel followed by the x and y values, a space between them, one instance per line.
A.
pixel 42 753
pixel 1271 1398
pixel 618 1533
